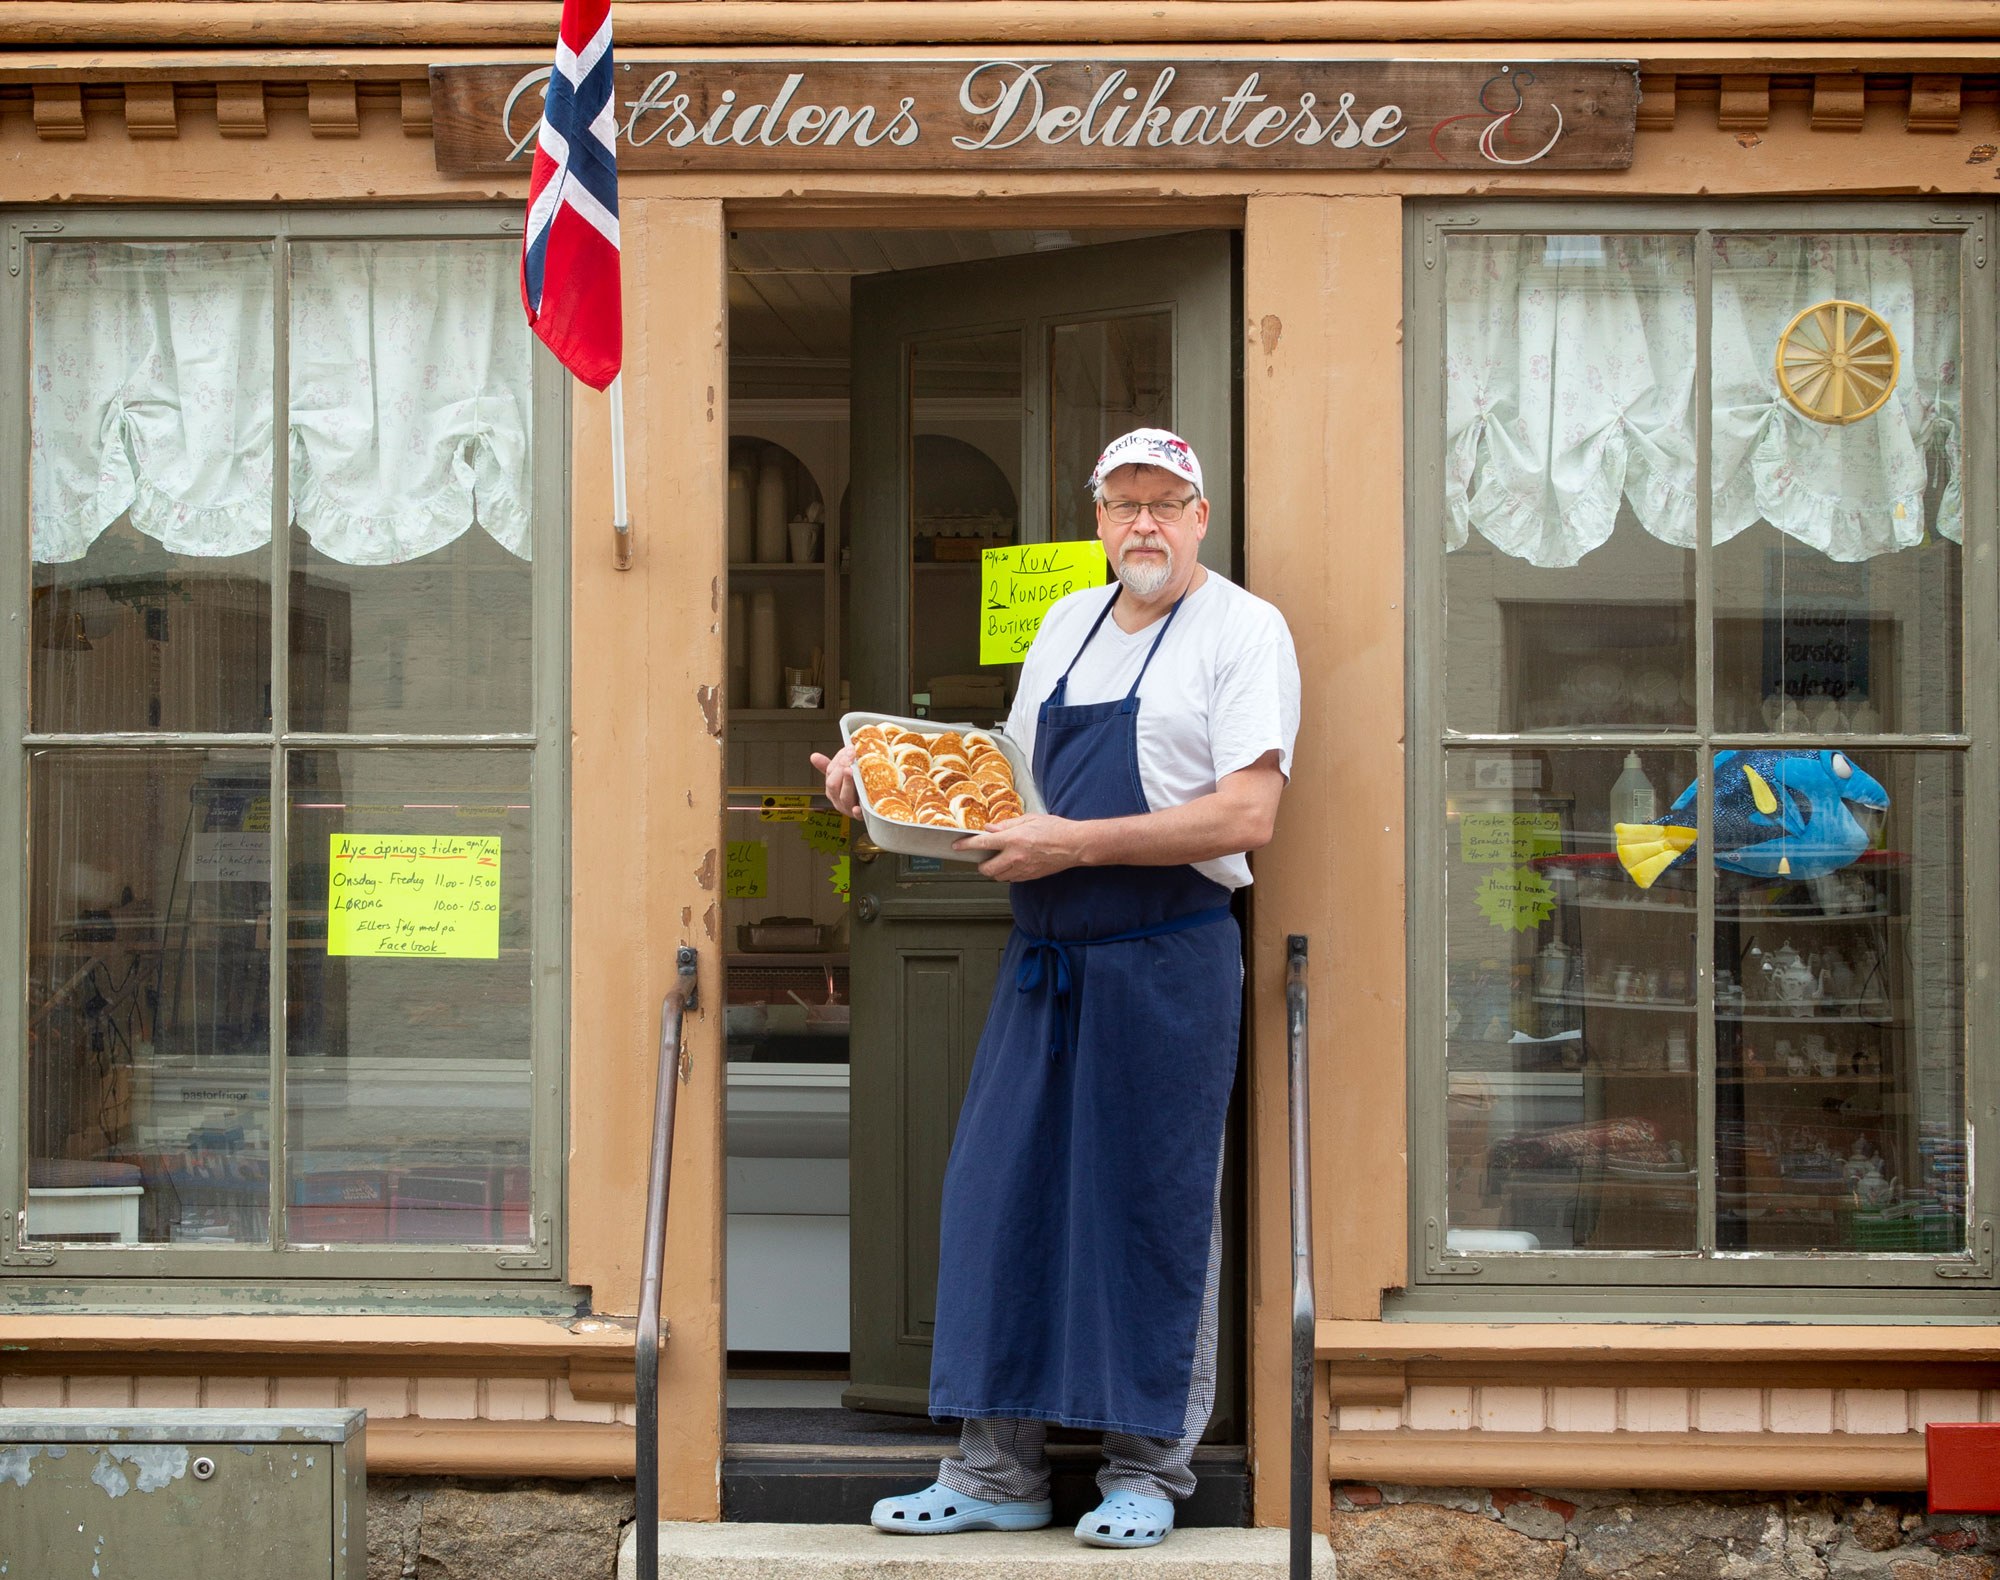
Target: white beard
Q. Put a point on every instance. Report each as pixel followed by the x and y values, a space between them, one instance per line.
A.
pixel 1142 581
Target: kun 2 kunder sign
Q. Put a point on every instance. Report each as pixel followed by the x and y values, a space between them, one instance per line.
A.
pixel 1069 114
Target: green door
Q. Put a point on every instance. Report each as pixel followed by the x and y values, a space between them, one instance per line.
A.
pixel 982 395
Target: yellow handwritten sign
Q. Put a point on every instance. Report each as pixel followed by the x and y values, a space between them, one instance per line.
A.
pixel 1508 838
pixel 839 877
pixel 785 808
pixel 825 832
pixel 1018 583
pixel 748 874
pixel 433 896
pixel 1515 899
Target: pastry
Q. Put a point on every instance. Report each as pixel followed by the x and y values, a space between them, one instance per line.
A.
pixel 953 779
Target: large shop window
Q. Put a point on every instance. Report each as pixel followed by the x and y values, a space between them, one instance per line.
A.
pixel 1706 808
pixel 288 769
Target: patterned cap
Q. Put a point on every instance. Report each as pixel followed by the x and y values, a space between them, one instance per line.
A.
pixel 1148 447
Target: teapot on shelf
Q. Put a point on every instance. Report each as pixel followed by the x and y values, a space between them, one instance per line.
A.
pixel 1792 982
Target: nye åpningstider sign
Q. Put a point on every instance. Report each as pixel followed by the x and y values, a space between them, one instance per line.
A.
pixel 434 896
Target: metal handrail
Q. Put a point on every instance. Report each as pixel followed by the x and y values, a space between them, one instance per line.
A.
pixel 646 1357
pixel 1305 1314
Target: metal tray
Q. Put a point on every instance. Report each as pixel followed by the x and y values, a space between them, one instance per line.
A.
pixel 911 839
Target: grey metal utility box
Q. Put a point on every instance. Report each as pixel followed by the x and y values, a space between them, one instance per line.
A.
pixel 182 1495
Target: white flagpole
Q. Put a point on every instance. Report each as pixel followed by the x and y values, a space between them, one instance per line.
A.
pixel 621 522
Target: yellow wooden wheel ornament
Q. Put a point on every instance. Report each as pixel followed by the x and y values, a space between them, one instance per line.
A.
pixel 1837 362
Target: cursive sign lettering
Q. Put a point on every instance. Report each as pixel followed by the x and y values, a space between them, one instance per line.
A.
pixel 1067 114
pixel 1117 117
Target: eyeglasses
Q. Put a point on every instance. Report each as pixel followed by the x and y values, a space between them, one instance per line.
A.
pixel 1164 511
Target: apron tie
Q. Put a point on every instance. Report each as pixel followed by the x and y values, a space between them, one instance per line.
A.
pixel 1046 960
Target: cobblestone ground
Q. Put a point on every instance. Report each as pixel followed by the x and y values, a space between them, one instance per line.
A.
pixel 1430 1533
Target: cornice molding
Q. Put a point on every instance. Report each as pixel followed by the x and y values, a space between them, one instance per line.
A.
pixel 447 23
pixel 334 93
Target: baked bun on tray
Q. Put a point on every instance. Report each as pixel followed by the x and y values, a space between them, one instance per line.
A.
pixel 951 779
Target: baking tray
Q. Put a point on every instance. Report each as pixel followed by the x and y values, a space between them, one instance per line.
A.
pixel 909 839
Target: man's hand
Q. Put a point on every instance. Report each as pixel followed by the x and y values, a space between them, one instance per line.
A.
pixel 839 771
pixel 1028 847
pixel 1237 815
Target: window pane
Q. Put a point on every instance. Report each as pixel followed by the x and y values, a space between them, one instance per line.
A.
pixel 149 995
pixel 150 485
pixel 1840 1035
pixel 1107 376
pixel 1569 473
pixel 409 1032
pixel 411 496
pixel 965 461
pixel 1570 1016
pixel 1837 526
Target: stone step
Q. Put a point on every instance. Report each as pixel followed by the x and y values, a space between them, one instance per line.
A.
pixel 857 1552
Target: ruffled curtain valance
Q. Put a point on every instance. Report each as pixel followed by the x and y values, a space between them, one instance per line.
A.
pixel 408 393
pixel 1570 390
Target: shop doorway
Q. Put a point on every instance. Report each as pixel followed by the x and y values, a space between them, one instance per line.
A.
pixel 901 401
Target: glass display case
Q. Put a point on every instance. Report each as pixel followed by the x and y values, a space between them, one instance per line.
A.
pixel 1588 1060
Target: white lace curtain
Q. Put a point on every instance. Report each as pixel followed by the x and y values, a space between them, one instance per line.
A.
pixel 152 368
pixel 1570 374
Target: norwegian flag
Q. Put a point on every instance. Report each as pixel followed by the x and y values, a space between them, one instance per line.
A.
pixel 569 256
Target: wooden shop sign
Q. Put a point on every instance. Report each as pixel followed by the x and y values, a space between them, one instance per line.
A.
pixel 989 114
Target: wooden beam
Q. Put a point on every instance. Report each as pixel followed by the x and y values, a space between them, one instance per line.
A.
pixel 310 1345
pixel 1382 1385
pixel 1838 102
pixel 149 110
pixel 416 93
pixel 59 112
pixel 1322 355
pixel 1561 1344
pixel 565 1450
pixel 332 110
pixel 1664 1461
pixel 1656 101
pixel 239 109
pixel 647 779
pixel 292 23
pixel 1744 104
pixel 1934 103
pixel 1654 57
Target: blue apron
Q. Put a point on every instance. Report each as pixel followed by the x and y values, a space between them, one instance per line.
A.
pixel 1080 1191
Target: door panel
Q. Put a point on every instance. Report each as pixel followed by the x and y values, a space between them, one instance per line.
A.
pixel 976 388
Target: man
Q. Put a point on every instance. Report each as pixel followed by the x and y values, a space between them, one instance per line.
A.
pixel 1077 1277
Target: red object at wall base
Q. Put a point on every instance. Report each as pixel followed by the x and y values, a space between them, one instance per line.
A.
pixel 1962 1467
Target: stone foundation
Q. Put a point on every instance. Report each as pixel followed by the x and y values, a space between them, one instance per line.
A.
pixel 425 1528
pixel 422 1528
pixel 1435 1533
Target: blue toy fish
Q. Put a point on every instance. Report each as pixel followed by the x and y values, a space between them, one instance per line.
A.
pixel 1778 814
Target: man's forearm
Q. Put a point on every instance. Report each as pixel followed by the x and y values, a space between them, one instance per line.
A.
pixel 1236 818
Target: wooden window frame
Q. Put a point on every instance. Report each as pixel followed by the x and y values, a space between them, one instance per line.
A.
pixel 1724 1284
pixel 521 1277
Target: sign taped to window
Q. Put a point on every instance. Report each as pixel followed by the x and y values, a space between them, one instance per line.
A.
pixel 1508 838
pixel 1020 582
pixel 434 896
pixel 747 874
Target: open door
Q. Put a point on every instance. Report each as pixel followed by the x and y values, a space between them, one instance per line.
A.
pixel 982 394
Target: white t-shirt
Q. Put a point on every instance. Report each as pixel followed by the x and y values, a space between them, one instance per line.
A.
pixel 1222 691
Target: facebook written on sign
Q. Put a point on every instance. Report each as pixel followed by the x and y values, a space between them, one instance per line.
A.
pixel 1020 583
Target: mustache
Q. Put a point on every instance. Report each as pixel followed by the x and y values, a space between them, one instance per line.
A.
pixel 1152 540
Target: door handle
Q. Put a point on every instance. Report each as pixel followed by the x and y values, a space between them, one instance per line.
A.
pixel 864 849
pixel 867 908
